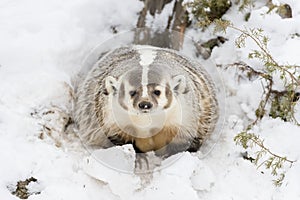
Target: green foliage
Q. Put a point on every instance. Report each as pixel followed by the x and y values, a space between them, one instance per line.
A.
pixel 206 11
pixel 273 103
pixel 283 10
pixel 221 25
pixel 264 157
pixel 244 4
pixel 278 182
pixel 281 102
pixel 283 105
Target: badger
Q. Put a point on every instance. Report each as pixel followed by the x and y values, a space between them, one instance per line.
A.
pixel 153 98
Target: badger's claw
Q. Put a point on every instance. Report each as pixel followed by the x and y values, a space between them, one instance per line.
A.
pixel 140 161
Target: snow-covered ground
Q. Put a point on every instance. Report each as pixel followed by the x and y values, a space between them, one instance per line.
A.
pixel 42 46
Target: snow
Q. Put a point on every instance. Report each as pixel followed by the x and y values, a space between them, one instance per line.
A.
pixel 122 183
pixel 160 19
pixel 117 158
pixel 43 45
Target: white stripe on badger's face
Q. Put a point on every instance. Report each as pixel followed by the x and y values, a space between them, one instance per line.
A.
pixel 147 57
pixel 145 92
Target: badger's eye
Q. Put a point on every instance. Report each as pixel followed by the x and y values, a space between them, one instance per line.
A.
pixel 132 93
pixel 156 92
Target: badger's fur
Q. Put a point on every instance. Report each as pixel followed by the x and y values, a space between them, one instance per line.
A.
pixel 153 98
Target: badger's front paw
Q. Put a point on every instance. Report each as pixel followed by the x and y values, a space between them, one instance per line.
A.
pixel 147 162
pixel 116 140
pixel 177 147
pixel 141 162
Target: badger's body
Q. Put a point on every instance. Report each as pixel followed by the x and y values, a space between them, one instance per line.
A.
pixel 153 98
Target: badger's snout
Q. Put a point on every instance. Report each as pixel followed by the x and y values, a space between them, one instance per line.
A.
pixel 145 105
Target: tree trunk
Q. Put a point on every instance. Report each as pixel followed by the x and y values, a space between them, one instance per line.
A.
pixel 172 34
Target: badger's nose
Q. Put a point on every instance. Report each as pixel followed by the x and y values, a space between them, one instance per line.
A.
pixel 145 105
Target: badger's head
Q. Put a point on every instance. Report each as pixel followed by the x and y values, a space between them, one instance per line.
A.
pixel 139 93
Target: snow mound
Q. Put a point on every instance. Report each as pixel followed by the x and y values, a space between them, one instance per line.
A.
pixel 120 158
pixel 181 179
pixel 104 165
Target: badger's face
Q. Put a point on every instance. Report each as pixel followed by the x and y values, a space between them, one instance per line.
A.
pixel 139 94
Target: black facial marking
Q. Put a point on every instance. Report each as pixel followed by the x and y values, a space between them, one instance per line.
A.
pixel 151 95
pixel 137 97
pixel 122 91
pixel 132 93
pixel 169 96
pixel 121 96
pixel 105 92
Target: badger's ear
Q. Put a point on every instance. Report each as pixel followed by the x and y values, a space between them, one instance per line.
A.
pixel 110 84
pixel 179 84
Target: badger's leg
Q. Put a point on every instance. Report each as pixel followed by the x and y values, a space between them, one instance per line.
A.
pixel 172 149
pixel 178 146
pixel 140 158
pixel 117 140
pixel 195 144
pixel 136 149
